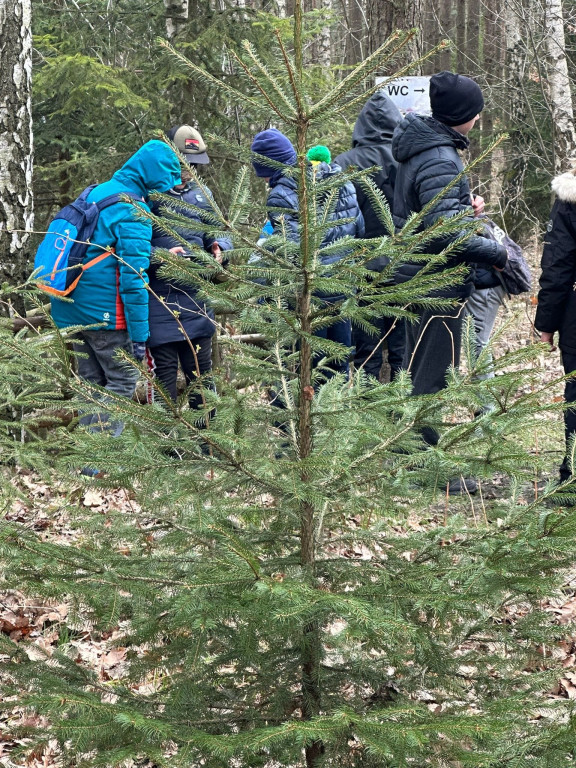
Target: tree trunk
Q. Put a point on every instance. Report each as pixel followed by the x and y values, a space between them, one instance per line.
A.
pixel 446 27
pixel 461 36
pixel 324 43
pixel 559 85
pixel 176 16
pixel 311 642
pixel 380 22
pixel 320 52
pixel 356 31
pixel 430 34
pixel 16 212
pixel 493 54
pixel 515 108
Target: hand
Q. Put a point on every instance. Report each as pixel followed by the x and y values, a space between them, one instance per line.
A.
pixel 478 205
pixel 548 338
pixel 139 350
pixel 217 252
pixel 177 249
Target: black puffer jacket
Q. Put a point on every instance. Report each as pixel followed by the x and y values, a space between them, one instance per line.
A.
pixel 372 145
pixel 426 151
pixel 557 296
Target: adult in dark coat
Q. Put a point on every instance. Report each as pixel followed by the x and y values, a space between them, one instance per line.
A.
pixel 182 324
pixel 557 296
pixel 372 146
pixel 426 149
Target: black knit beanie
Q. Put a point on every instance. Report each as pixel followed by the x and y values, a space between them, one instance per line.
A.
pixel 454 99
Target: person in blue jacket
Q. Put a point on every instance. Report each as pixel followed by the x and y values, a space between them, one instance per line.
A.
pixel 182 324
pixel 282 203
pixel 111 299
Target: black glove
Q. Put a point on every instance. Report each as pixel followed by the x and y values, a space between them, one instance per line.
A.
pixel 139 350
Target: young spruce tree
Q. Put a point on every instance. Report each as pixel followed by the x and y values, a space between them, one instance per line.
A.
pixel 292 586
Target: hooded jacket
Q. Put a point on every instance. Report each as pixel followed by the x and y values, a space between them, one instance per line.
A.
pixel 372 145
pixel 427 154
pixel 283 194
pixel 557 296
pixel 194 315
pixel 113 292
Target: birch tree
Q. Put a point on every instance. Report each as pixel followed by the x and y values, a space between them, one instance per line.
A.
pixel 559 88
pixel 16 212
pixel 176 16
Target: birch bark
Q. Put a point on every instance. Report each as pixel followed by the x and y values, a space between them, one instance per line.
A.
pixel 176 16
pixel 16 211
pixel 559 85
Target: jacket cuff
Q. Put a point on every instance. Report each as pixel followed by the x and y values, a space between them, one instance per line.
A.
pixel 501 256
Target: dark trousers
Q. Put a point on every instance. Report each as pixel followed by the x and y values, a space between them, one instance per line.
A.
pixel 432 346
pixel 569 363
pixel 167 357
pixel 370 348
pixel 98 363
pixel 341 333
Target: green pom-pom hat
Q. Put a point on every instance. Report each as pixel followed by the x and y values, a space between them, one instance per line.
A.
pixel 319 154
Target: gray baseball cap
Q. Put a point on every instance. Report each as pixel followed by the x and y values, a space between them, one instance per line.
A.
pixel 189 141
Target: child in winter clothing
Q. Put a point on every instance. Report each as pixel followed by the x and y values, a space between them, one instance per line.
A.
pixel 181 324
pixel 112 294
pixel 283 194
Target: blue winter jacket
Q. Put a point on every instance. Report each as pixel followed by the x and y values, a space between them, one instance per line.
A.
pixel 113 292
pixel 194 315
pixel 283 194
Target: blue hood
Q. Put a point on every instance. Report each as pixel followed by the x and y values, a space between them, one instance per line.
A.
pixel 153 167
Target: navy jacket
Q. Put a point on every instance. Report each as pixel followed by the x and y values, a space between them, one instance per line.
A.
pixel 283 195
pixel 426 151
pixel 557 296
pixel 195 315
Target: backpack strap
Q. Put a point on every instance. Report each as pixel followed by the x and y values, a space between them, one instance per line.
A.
pixel 116 198
pixel 83 195
pixel 74 283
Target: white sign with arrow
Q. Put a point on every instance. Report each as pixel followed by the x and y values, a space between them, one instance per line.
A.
pixel 410 94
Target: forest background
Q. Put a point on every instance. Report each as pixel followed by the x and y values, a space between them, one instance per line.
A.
pixel 413 665
pixel 101 86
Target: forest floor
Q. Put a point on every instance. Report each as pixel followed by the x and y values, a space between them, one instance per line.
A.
pixel 41 508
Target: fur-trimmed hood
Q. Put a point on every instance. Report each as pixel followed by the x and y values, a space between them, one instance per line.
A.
pixel 564 186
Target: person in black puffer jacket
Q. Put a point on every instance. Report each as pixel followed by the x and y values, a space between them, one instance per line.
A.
pixel 426 149
pixel 557 296
pixel 283 194
pixel 372 145
pixel 174 309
